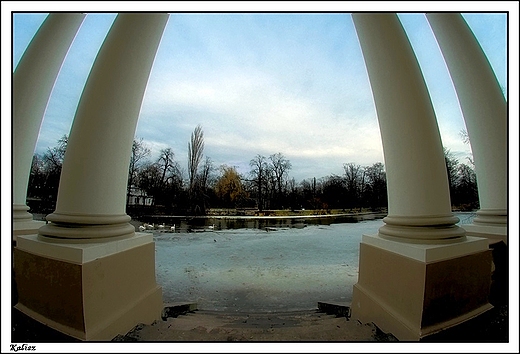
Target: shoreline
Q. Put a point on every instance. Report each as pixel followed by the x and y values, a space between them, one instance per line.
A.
pixel 359 216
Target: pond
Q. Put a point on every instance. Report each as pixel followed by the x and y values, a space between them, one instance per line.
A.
pixel 261 269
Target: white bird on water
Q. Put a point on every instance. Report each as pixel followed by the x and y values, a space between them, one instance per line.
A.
pixel 211 227
pixel 142 228
pixel 172 229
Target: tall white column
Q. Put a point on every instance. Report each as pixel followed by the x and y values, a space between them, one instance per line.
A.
pixel 33 81
pixel 419 205
pixel 92 192
pixel 103 273
pixel 484 108
pixel 420 274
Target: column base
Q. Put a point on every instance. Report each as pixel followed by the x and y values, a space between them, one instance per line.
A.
pixel 415 290
pixel 494 234
pixel 89 291
pixel 26 227
pixel 23 223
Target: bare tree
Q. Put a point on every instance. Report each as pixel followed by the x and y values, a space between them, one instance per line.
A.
pixel 201 196
pixel 167 179
pixel 464 136
pixel 139 152
pixel 376 184
pixel 205 173
pixel 53 162
pixel 451 169
pixel 53 158
pixel 465 139
pixel 259 174
pixel 280 167
pixel 168 166
pixel 195 151
pixel 354 176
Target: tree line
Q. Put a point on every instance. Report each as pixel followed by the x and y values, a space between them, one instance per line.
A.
pixel 163 186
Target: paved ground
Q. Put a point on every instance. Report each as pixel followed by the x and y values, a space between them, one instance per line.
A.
pixel 201 326
pixel 313 326
pixel 299 326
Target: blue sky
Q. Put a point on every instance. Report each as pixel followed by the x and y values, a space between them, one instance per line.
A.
pixel 262 84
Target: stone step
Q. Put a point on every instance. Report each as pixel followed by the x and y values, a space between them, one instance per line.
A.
pixel 175 309
pixel 340 309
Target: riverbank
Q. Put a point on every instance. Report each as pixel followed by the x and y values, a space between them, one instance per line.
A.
pixel 282 213
pixel 221 220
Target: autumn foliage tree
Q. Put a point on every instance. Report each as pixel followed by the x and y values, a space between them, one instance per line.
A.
pixel 229 188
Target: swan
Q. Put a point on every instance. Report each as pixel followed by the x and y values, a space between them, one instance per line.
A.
pixel 161 226
pixel 149 226
pixel 211 227
pixel 142 228
pixel 172 228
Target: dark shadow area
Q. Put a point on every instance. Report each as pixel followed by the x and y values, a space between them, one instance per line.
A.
pixel 27 330
pixel 492 326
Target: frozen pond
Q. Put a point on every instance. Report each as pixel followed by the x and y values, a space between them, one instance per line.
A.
pixel 262 270
pixel 281 269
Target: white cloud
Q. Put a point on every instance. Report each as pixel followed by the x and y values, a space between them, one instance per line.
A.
pixel 257 114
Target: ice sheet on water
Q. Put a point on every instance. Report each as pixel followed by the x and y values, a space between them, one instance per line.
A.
pixel 255 269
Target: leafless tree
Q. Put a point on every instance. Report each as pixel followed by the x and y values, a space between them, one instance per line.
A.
pixel 139 153
pixel 53 157
pixel 259 177
pixel 204 175
pixel 280 167
pixel 354 183
pixel 195 151
pixel 464 135
pixel 168 166
pixel 376 184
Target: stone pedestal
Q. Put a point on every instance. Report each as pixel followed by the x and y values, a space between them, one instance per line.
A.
pixel 89 291
pixel 415 290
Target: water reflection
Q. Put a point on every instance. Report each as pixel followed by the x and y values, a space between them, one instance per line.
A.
pixel 201 224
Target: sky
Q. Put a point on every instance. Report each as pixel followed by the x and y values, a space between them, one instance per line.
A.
pixel 293 83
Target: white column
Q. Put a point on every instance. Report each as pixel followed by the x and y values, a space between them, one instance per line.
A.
pixel 92 191
pixel 419 205
pixel 484 108
pixel 33 81
pixel 103 279
pixel 420 274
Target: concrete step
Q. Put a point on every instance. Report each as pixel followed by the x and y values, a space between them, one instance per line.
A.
pixel 175 309
pixel 340 309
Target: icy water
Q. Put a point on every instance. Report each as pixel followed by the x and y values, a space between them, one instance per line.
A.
pixel 261 270
pixel 281 269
